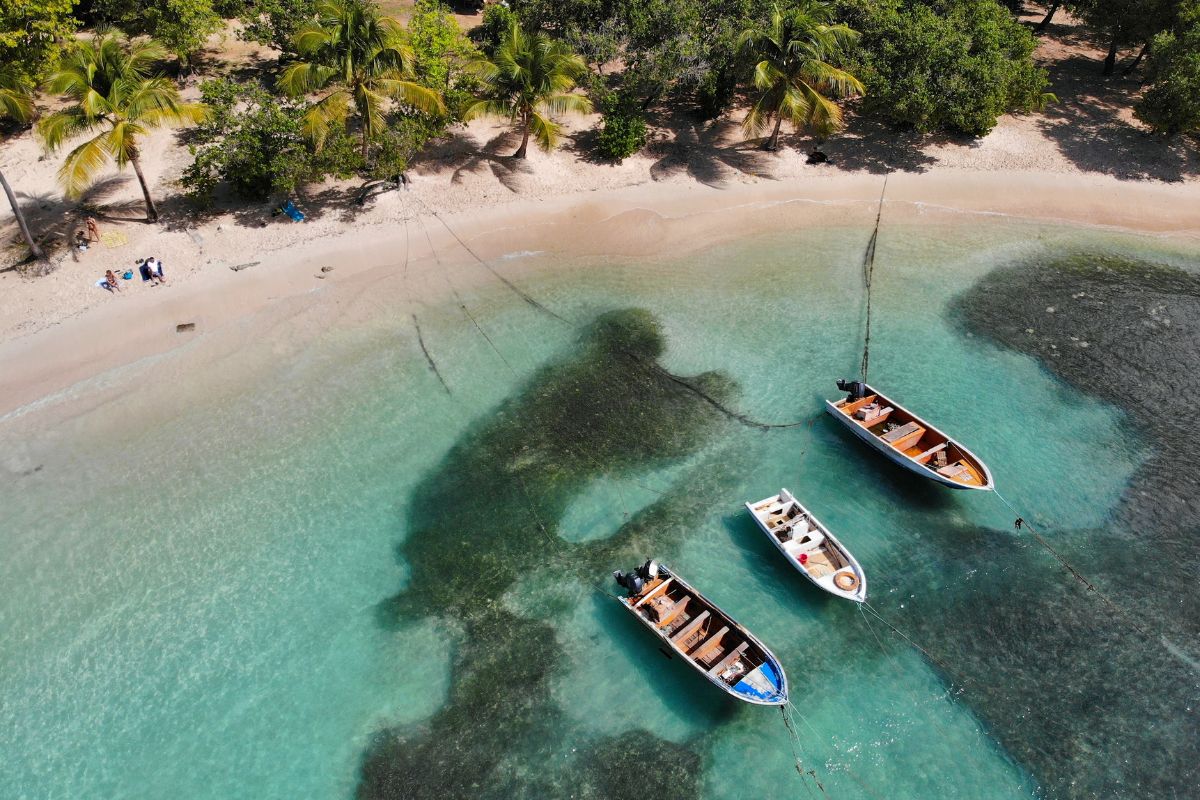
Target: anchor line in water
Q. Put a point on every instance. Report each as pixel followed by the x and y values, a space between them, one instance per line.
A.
pixel 432 364
pixel 1171 648
pixel 794 740
pixel 516 289
pixel 868 278
pixel 532 301
pixel 461 304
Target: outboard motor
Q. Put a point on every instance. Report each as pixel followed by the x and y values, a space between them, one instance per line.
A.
pixel 857 389
pixel 635 580
pixel 632 582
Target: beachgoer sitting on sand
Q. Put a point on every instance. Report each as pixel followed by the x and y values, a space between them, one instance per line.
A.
pixel 111 281
pixel 156 269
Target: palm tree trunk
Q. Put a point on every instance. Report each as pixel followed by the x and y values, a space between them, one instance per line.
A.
pixel 365 145
pixel 24 226
pixel 1045 23
pixel 1111 61
pixel 521 151
pixel 773 143
pixel 151 211
pixel 1141 54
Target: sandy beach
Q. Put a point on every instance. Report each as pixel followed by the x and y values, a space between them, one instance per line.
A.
pixel 1084 161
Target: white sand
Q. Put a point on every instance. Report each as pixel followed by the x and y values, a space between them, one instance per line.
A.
pixel 1085 161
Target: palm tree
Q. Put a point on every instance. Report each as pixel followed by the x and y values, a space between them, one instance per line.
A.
pixel 111 88
pixel 16 102
pixel 364 59
pixel 528 80
pixel 793 72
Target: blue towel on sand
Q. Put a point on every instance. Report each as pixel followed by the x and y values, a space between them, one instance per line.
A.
pixel 290 209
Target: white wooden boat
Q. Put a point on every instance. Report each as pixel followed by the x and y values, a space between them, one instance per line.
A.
pixel 809 546
pixel 712 642
pixel 906 439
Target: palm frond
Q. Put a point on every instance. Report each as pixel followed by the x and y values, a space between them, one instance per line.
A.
pixel 412 94
pixel 758 118
pixel 567 104
pixel 302 77
pixel 545 131
pixel 16 95
pixel 489 108
pixel 332 109
pixel 81 165
pixel 55 129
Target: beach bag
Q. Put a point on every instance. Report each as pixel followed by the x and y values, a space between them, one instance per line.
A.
pixel 128 275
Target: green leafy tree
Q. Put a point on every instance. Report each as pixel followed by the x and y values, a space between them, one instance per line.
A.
pixel 1171 104
pixel 358 59
pixel 529 80
pixel 110 87
pixel 32 32
pixel 952 65
pixel 624 127
pixel 274 22
pixel 181 26
pixel 442 54
pixel 251 140
pixel 793 73
pixel 16 103
pixel 1125 22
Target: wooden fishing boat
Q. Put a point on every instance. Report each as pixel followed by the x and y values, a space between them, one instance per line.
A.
pixel 712 642
pixel 809 546
pixel 906 439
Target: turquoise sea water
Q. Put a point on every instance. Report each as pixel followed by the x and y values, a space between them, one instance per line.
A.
pixel 267 593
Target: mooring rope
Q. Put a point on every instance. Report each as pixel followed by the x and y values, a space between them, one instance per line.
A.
pixel 794 739
pixel 869 277
pixel 1175 650
pixel 536 304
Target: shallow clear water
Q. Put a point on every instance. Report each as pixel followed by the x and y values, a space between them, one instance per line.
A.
pixel 216 606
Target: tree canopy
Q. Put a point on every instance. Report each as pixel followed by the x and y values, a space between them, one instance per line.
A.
pixel 953 65
pixel 1171 104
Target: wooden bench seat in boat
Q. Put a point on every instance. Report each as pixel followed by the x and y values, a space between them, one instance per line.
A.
pixel 928 454
pixel 659 589
pixel 729 659
pixel 849 408
pixel 905 436
pixel 684 634
pixel 662 609
pixel 956 471
pixel 710 649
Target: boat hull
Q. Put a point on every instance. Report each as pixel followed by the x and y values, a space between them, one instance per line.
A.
pixel 900 459
pixel 771 666
pixel 858 595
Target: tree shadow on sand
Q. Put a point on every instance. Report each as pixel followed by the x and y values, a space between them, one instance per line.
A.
pixel 1092 126
pixel 709 151
pixel 872 145
pixel 462 156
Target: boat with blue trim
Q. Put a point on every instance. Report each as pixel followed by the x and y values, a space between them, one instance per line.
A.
pixel 712 642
